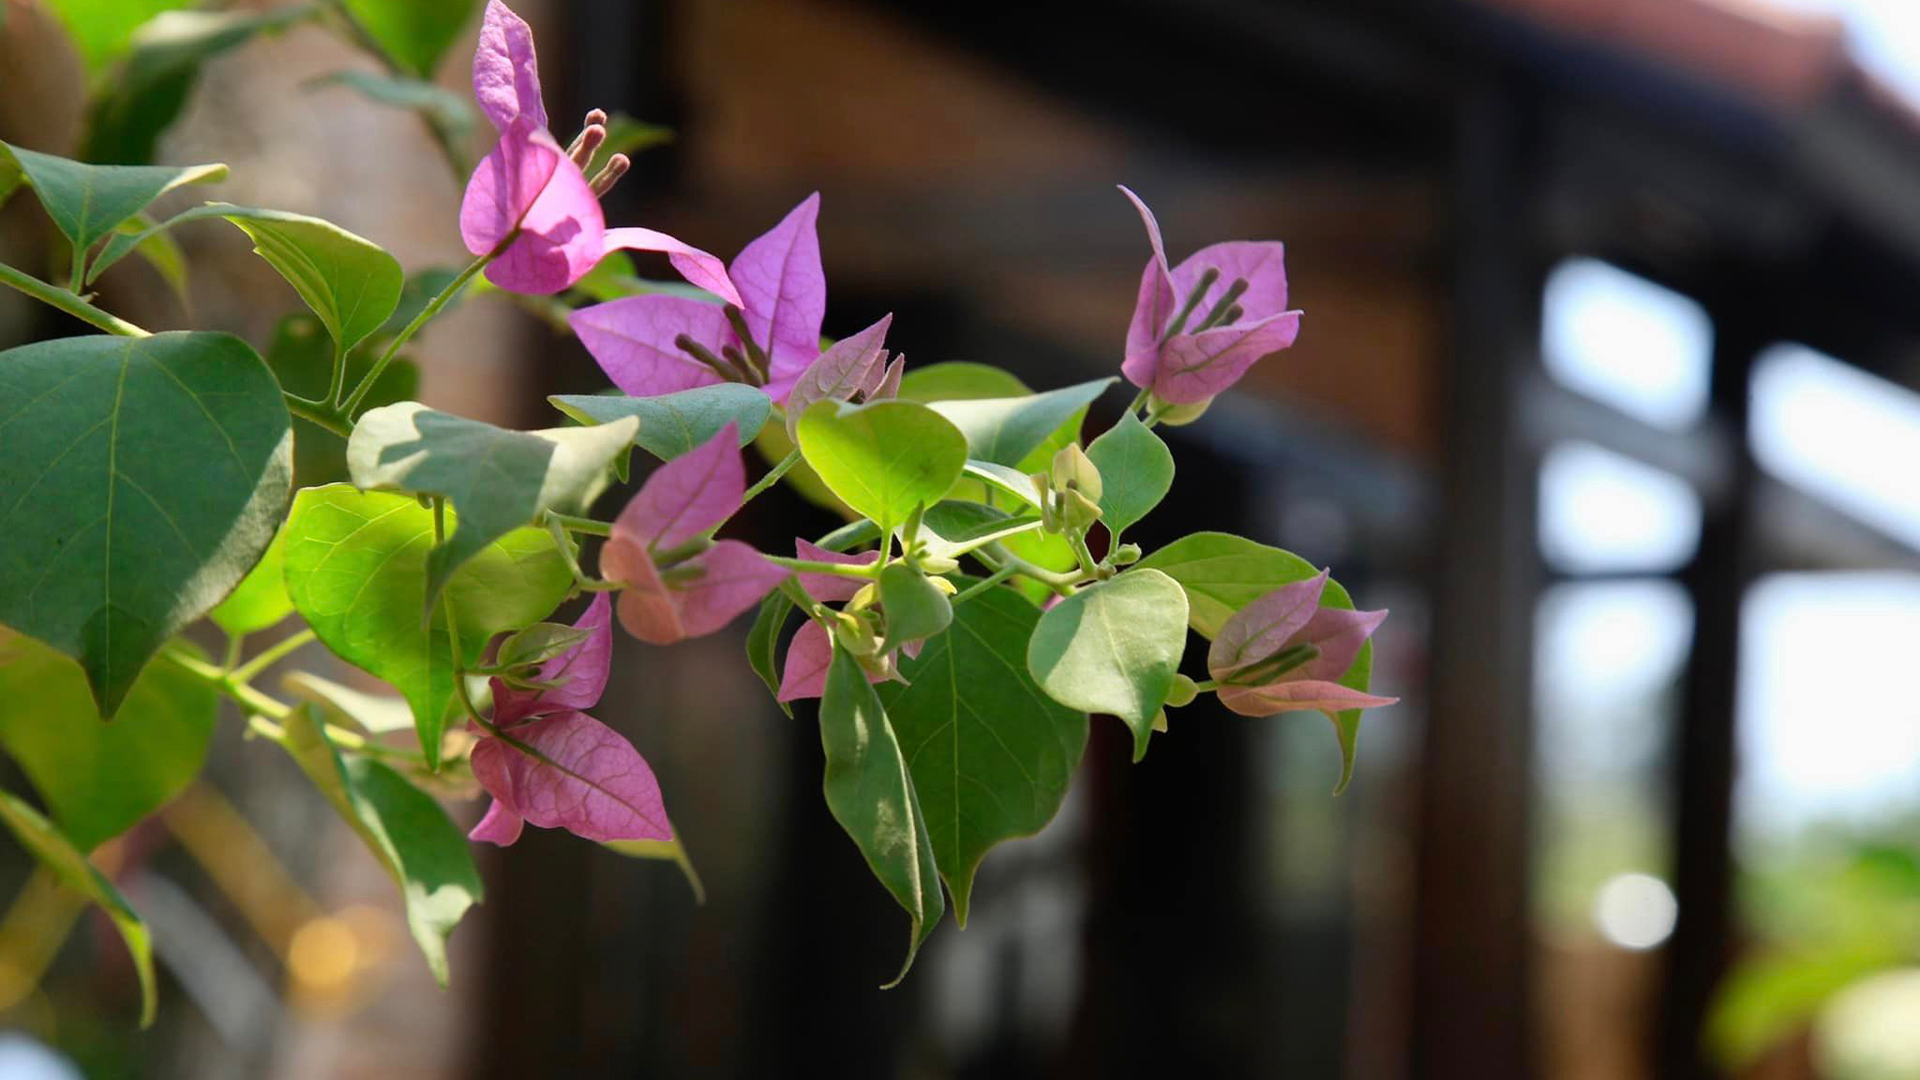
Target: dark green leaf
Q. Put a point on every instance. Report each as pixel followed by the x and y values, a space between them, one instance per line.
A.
pixel 99 779
pixel 870 793
pixel 86 202
pixel 763 642
pixel 915 607
pixel 672 424
pixel 1114 648
pixel 58 855
pixel 497 479
pixel 415 33
pixel 357 571
pixel 1136 472
pixel 885 458
pixel 1005 430
pixel 405 829
pixel 991 755
pixel 144 477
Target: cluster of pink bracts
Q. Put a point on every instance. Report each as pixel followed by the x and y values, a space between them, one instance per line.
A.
pixel 1195 331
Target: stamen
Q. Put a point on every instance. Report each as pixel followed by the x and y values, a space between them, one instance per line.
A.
pixel 701 353
pixel 1262 672
pixel 584 144
pixel 748 374
pixel 1224 308
pixel 738 320
pixel 609 175
pixel 596 116
pixel 1179 323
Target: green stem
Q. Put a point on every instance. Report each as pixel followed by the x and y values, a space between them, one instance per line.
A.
pixel 1062 583
pixel 983 585
pixel 235 644
pixel 265 714
pixel 581 525
pixel 773 477
pixel 849 535
pixel 318 414
pixel 339 384
pixel 426 315
pixel 67 301
pixel 580 579
pixel 1077 540
pixel 245 673
pixel 1207 686
pixel 859 570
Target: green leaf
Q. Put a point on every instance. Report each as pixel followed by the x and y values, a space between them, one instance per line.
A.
pixel 357 572
pixel 915 607
pixel 1006 481
pixel 350 282
pixel 57 854
pixel 497 479
pixel 86 202
pixel 260 600
pixel 449 114
pixel 409 832
pixel 99 779
pixel 952 528
pixel 672 851
pixel 415 33
pixel 301 355
pixel 1114 648
pixel 149 91
pixel 672 424
pixel 991 755
pixel 144 478
pixel 1136 472
pixel 885 458
pixel 1005 430
pixel 1222 573
pixel 537 644
pixel 763 642
pixel 375 714
pixel 102 29
pixel 871 795
pixel 139 235
pixel 959 380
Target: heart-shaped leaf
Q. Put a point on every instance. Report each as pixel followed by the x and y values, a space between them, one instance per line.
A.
pixel 86 202
pixel 991 755
pixel 885 458
pixel 672 424
pixel 357 572
pixel 871 795
pixel 350 282
pixel 1114 648
pixel 1005 430
pixel 415 34
pixel 498 479
pixel 916 608
pixel 1136 472
pixel 99 779
pixel 405 829
pixel 144 476
pixel 59 855
pixel 1222 573
pixel 260 600
pixel 959 380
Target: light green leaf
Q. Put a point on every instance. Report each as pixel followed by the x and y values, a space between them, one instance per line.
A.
pixel 885 458
pixel 144 476
pixel 672 424
pixel 375 714
pixel 763 642
pixel 871 795
pixel 139 235
pixel 99 779
pixel 357 571
pixel 86 202
pixel 1136 472
pixel 915 607
pixel 260 600
pixel 58 855
pixel 450 114
pixel 1006 481
pixel 952 528
pixel 1005 430
pixel 959 380
pixel 1114 648
pixel 142 99
pixel 672 851
pixel 497 479
pixel 102 29
pixel 404 828
pixel 350 282
pixel 991 755
pixel 415 33
pixel 1222 573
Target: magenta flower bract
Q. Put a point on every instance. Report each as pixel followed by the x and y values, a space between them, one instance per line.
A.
pixel 705 584
pixel 528 182
pixel 782 299
pixel 1199 326
pixel 1283 651
pixel 557 767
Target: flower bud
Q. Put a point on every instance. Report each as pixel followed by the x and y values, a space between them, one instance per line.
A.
pixel 1126 554
pixel 942 584
pixel 865 598
pixel 855 634
pixel 1183 693
pixel 1177 415
pixel 1074 471
pixel 1077 511
pixel 935 565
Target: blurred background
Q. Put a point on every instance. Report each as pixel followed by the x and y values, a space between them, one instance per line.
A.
pixel 1607 388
